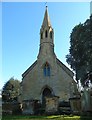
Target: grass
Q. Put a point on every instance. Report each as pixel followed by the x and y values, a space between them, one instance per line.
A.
pixel 54 117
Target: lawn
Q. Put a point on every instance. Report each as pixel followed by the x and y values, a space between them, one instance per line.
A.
pixel 57 117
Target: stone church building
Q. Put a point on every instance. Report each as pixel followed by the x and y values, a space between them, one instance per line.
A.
pixel 47 76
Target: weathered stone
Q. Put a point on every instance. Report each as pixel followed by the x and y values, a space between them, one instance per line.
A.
pixel 75 104
pixel 28 107
pixel 47 72
pixel 52 104
pixel 86 100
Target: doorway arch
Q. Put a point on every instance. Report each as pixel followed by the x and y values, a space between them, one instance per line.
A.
pixel 46 92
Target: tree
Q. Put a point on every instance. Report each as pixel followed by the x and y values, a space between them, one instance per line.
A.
pixel 11 90
pixel 80 52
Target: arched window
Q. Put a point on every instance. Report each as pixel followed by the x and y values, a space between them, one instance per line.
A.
pixel 51 34
pixel 46 34
pixel 46 69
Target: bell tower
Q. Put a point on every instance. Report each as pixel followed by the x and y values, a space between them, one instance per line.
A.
pixel 46 36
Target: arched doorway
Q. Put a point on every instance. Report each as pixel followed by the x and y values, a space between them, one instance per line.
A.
pixel 47 92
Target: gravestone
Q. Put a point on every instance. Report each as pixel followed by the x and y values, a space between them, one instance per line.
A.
pixel 75 104
pixel 86 100
pixel 28 107
pixel 52 105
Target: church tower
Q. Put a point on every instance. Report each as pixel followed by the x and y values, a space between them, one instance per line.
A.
pixel 46 37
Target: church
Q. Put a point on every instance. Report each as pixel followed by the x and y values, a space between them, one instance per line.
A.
pixel 47 76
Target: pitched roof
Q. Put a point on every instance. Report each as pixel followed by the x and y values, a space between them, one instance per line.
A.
pixel 66 69
pixel 30 68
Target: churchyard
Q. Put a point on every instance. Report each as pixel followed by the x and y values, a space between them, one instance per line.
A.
pixel 53 117
pixel 57 96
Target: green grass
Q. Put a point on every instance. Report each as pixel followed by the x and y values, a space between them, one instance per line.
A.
pixel 54 117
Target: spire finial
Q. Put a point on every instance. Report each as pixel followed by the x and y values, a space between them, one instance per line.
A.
pixel 46 21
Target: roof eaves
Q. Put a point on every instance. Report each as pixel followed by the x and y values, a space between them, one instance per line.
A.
pixel 70 73
pixel 30 68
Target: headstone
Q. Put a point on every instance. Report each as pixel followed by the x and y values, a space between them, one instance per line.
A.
pixel 75 104
pixel 28 107
pixel 52 105
pixel 86 100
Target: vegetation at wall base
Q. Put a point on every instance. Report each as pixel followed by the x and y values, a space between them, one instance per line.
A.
pixel 52 117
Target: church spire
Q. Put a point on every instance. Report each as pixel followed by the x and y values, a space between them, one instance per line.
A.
pixel 46 36
pixel 46 31
pixel 46 20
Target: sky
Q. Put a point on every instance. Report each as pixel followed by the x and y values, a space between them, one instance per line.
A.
pixel 91 7
pixel 21 23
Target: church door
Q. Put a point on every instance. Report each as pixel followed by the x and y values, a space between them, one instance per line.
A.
pixel 46 93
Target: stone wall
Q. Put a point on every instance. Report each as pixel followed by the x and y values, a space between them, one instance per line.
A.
pixel 59 81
